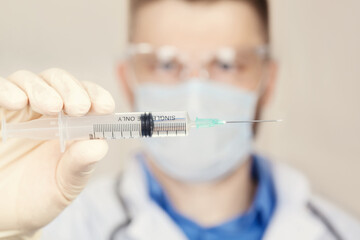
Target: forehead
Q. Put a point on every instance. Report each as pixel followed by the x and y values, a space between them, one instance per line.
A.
pixel 196 26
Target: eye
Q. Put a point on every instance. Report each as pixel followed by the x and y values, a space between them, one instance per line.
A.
pixel 167 66
pixel 225 66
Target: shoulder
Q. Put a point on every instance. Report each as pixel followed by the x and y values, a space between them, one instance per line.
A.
pixel 92 215
pixel 342 222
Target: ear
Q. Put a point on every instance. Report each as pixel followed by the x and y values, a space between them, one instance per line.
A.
pixel 124 78
pixel 272 74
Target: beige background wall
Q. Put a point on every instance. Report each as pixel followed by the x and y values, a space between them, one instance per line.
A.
pixel 316 43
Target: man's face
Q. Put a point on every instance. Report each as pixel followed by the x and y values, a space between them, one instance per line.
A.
pixel 198 28
pixel 195 30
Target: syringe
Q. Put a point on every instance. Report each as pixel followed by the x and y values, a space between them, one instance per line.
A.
pixel 114 126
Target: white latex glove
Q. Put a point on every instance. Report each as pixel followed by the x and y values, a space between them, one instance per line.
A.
pixel 37 181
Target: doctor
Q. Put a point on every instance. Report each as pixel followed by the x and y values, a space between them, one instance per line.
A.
pixel 209 58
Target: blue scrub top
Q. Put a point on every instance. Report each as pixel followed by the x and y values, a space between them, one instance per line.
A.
pixel 250 225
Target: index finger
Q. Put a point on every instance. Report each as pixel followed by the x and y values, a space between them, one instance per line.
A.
pixel 76 100
pixel 11 96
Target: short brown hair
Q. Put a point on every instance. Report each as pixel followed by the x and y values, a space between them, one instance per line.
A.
pixel 260 6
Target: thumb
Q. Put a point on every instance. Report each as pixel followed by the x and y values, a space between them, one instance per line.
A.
pixel 77 164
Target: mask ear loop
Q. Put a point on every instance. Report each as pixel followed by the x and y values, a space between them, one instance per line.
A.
pixel 263 83
pixel 264 79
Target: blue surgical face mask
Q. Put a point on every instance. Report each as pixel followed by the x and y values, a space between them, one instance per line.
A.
pixel 206 154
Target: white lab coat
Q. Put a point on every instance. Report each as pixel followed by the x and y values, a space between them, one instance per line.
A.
pixel 97 212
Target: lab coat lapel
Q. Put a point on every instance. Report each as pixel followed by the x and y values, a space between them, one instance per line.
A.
pixel 154 224
pixel 148 220
pixel 292 219
pixel 295 224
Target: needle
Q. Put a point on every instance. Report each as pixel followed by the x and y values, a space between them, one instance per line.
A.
pixel 254 121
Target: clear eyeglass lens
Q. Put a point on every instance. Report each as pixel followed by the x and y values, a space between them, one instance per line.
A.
pixel 242 68
pixel 155 67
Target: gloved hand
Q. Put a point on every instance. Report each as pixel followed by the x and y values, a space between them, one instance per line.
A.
pixel 37 181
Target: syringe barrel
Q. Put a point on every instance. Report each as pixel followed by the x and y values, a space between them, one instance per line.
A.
pixel 168 124
pixel 40 129
pixel 114 126
pixel 126 125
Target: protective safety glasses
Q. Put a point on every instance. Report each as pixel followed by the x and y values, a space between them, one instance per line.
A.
pixel 168 65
